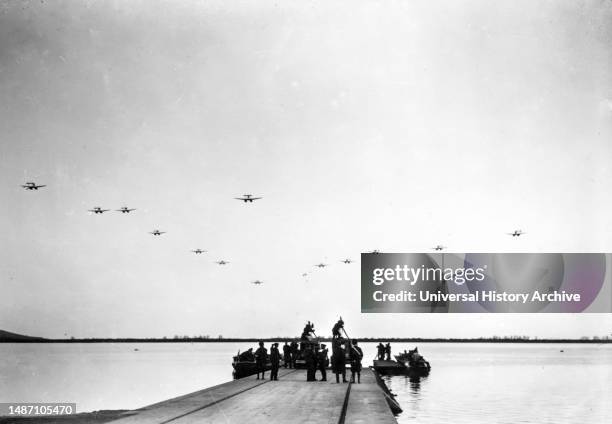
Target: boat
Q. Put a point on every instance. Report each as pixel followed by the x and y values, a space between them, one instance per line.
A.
pixel 383 366
pixel 245 365
pixel 414 361
pixel 410 363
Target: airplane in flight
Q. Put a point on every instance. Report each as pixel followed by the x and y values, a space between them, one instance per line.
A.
pixel 257 282
pixel 247 198
pixel 347 261
pixel 32 186
pixel 375 252
pixel 199 251
pixel 516 233
pixel 321 265
pixel 157 232
pixel 98 210
pixel 222 262
pixel 125 209
pixel 305 274
pixel 439 247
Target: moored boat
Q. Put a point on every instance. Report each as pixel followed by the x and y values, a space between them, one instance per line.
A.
pixel 244 365
pixel 408 362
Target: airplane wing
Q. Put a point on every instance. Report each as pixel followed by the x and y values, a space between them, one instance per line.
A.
pixel 255 198
pixel 39 186
pixel 239 198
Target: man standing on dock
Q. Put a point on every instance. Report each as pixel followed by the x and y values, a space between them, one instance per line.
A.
pixel 287 356
pixel 338 359
pixel 322 362
pixel 388 351
pixel 311 363
pixel 356 356
pixel 261 355
pixel 275 361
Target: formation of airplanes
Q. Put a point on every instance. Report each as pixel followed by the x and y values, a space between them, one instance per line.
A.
pixel 246 198
pixel 99 210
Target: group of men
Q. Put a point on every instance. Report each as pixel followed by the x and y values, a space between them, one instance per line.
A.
pixel 384 351
pixel 315 356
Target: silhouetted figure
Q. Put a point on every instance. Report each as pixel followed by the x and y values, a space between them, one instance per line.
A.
pixel 261 355
pixel 356 355
pixel 388 351
pixel 287 355
pixel 336 329
pixel 275 361
pixel 247 356
pixel 381 351
pixel 322 362
pixel 338 359
pixel 311 363
pixel 308 330
pixel 294 353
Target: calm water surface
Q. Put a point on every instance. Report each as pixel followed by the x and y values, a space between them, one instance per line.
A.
pixel 469 383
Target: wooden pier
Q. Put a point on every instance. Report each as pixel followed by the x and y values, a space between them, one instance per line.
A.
pixel 291 399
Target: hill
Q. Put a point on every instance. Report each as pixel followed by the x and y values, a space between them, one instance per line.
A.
pixel 6 336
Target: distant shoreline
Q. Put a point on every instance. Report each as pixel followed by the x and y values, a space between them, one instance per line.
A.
pixel 327 339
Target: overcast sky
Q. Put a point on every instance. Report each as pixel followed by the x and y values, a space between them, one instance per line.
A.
pixel 364 125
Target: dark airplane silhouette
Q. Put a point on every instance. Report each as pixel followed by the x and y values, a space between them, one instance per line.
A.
pixel 157 232
pixel 516 233
pixel 439 247
pixel 222 262
pixel 98 210
pixel 198 251
pixel 125 209
pixel 347 261
pixel 32 186
pixel 321 265
pixel 257 282
pixel 247 198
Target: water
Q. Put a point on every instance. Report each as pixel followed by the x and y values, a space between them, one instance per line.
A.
pixel 469 383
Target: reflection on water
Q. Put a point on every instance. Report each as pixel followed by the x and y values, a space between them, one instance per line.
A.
pixel 469 383
pixel 497 383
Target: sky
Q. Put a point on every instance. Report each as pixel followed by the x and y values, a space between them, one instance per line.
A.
pixel 363 125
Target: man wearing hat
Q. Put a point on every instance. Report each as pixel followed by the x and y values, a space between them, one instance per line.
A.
pixel 261 355
pixel 322 362
pixel 356 355
pixel 275 360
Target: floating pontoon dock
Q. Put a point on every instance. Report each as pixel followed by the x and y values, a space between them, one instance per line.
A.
pixel 291 399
